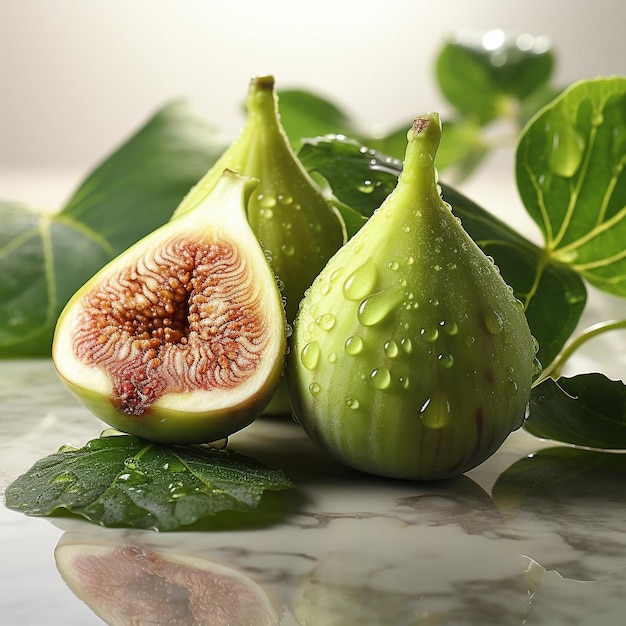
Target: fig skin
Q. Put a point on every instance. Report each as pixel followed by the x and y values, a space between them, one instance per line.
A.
pixel 411 357
pixel 170 384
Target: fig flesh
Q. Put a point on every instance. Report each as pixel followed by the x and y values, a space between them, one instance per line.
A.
pixel 182 338
pixel 411 357
pixel 133 584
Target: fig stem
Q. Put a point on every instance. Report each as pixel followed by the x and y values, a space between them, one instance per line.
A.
pixel 554 369
pixel 419 175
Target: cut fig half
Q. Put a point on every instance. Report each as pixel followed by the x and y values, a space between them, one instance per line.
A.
pixel 132 584
pixel 182 338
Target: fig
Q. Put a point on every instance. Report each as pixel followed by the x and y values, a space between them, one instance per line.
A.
pixel 288 213
pixel 129 584
pixel 410 356
pixel 182 338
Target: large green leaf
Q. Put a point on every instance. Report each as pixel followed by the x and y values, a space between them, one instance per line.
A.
pixel 587 410
pixel 45 258
pixel 553 294
pixel 125 481
pixel 570 167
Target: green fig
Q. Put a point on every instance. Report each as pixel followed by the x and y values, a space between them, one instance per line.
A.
pixel 289 214
pixel 182 338
pixel 411 357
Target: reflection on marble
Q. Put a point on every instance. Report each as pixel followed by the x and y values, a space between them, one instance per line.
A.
pixel 533 536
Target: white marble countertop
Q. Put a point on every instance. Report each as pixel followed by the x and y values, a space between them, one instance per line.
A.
pixel 497 546
pixel 487 548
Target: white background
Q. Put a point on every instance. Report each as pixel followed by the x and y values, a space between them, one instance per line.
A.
pixel 78 76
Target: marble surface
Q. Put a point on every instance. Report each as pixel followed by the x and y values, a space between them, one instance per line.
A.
pixel 535 535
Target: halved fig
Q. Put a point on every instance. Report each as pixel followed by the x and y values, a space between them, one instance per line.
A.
pixel 132 584
pixel 182 338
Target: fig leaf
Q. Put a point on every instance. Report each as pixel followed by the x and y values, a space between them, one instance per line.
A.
pixel 496 67
pixel 586 410
pixel 45 257
pixel 571 175
pixel 121 480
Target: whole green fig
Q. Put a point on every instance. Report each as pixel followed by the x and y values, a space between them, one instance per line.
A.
pixel 410 356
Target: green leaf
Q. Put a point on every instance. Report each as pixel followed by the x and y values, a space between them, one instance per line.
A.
pixel 570 168
pixel 586 410
pixel 45 258
pixel 307 114
pixel 125 481
pixel 553 294
pixel 558 477
pixel 483 74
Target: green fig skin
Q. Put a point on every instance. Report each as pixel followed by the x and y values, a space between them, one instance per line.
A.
pixel 411 357
pixel 182 338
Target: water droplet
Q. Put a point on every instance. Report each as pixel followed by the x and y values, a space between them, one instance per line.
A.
pixel 285 199
pixel 366 187
pixel 493 322
pixel 332 357
pixel 410 260
pixel 535 343
pixel 437 267
pixel 174 466
pixel 64 478
pixel 352 403
pixel 391 349
pixel 445 360
pixel 429 335
pixel 406 228
pixel 378 306
pixel 511 388
pixel 267 214
pixel 407 345
pixel 566 150
pixel 314 389
pixel 433 302
pixel 450 328
pixel 326 321
pixel 470 340
pixel 393 266
pixel 404 382
pixel 353 345
pixel 288 249
pixel 310 355
pixel 267 201
pixel 361 282
pixel 380 378
pixel 435 412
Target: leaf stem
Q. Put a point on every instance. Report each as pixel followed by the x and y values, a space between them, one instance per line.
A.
pixel 554 369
